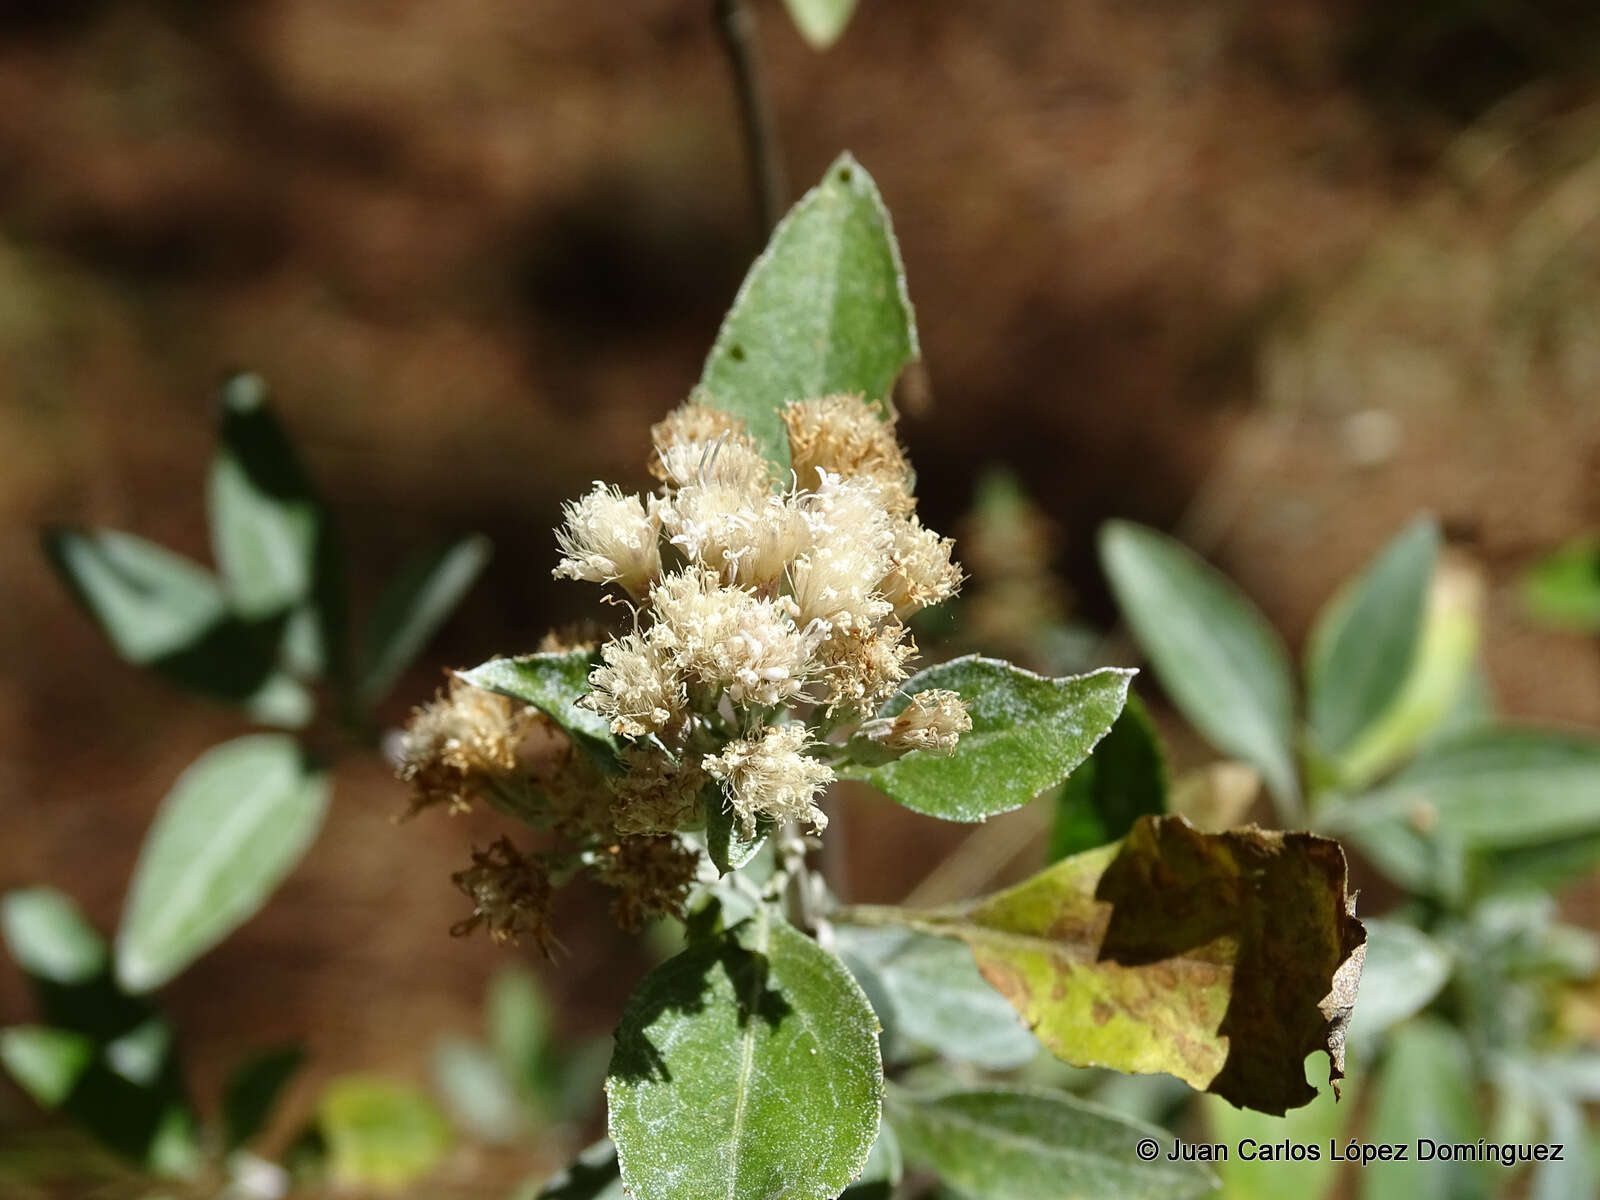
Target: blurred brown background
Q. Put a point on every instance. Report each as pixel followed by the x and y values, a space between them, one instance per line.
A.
pixel 1275 274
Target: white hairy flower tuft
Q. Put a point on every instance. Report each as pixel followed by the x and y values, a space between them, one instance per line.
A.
pixel 922 572
pixel 609 538
pixel 767 775
pixel 843 435
pixel 726 638
pixel 934 719
pixel 635 686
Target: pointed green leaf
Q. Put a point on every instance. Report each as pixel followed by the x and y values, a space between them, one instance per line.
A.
pixel 380 1134
pixel 936 996
pixel 1032 1144
pixel 46 1063
pixel 48 937
pixel 1124 779
pixel 823 310
pixel 518 1017
pixel 1223 959
pixel 1563 589
pixel 253 1090
pixel 551 682
pixel 413 607
pixel 1215 654
pixel 821 22
pixel 1262 1178
pixel 593 1176
pixel 1425 1090
pixel 1365 639
pixel 1028 732
pixel 233 826
pixel 725 841
pixel 746 1066
pixel 1403 971
pixel 883 1171
pixel 476 1091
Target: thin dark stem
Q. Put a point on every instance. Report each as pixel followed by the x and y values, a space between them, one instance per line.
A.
pixel 736 26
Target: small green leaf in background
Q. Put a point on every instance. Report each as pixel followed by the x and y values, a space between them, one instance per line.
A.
pixel 1124 779
pixel 883 1171
pixel 746 1066
pixel 232 828
pixel 1223 959
pixel 551 682
pixel 593 1176
pixel 821 22
pixel 725 842
pixel 1218 658
pixel 1425 1090
pixel 518 1019
pixel 265 520
pixel 1314 1126
pixel 476 1091
pixel 48 937
pixel 141 1054
pixel 253 1090
pixel 148 601
pixel 1494 790
pixel 823 310
pixel 936 996
pixel 1563 590
pixel 380 1134
pixel 1031 1144
pixel 1028 732
pixel 1404 970
pixel 46 1063
pixel 413 606
pixel 1364 640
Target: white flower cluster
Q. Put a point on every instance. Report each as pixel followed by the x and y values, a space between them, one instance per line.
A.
pixel 758 607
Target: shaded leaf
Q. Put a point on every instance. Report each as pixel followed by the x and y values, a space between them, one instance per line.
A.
pixel 46 1063
pixel 551 682
pixel 1425 1091
pixel 380 1133
pixel 518 1017
pixel 726 844
pixel 1263 1178
pixel 1215 654
pixel 1216 797
pixel 253 1090
pixel 413 606
pixel 1563 589
pixel 1403 971
pixel 476 1090
pixel 821 22
pixel 822 310
pixel 936 996
pixel 1124 779
pixel 593 1176
pixel 1363 643
pixel 1223 959
pixel 234 825
pixel 1028 732
pixel 49 938
pixel 1032 1144
pixel 746 1066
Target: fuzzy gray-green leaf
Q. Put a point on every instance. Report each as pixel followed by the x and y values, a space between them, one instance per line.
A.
pixel 1028 732
pixel 823 310
pixel 413 606
pixel 552 682
pixel 746 1066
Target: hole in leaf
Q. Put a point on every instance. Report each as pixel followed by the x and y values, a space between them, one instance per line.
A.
pixel 844 175
pixel 736 353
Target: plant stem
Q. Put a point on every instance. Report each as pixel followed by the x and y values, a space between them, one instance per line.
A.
pixel 736 26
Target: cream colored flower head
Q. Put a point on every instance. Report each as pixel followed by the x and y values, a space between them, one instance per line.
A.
pixel 768 774
pixel 933 720
pixel 610 538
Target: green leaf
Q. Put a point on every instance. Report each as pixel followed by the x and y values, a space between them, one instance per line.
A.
pixel 265 520
pixel 1124 779
pixel 1496 790
pixel 936 996
pixel 46 1063
pixel 823 310
pixel 1563 589
pixel 1028 732
pixel 746 1066
pixel 593 1176
pixel 48 937
pixel 1363 643
pixel 380 1133
pixel 252 1091
pixel 1032 1144
pixel 518 1017
pixel 883 1171
pixel 551 682
pixel 727 846
pixel 413 607
pixel 233 826
pixel 476 1090
pixel 1262 1178
pixel 821 21
pixel 1215 654
pixel 1223 959
pixel 1404 970
pixel 1425 1091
